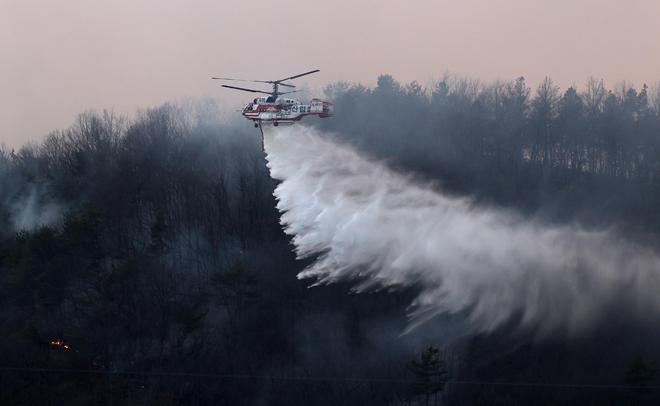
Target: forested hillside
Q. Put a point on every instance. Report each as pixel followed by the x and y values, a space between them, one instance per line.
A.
pixel 142 260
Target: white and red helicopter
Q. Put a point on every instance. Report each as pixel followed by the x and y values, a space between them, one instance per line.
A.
pixel 275 109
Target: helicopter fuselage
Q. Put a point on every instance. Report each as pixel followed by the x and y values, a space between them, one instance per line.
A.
pixel 285 111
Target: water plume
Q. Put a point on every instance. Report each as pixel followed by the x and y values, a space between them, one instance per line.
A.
pixel 381 229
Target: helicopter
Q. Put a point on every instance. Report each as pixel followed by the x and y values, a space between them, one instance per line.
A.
pixel 275 109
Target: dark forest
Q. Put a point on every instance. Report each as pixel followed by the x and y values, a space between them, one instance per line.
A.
pixel 142 260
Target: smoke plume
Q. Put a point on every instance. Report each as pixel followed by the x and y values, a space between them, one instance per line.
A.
pixel 380 229
pixel 34 210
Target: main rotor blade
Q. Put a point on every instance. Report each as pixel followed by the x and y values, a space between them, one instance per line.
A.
pixel 297 76
pixel 257 81
pixel 244 80
pixel 245 90
pixel 293 91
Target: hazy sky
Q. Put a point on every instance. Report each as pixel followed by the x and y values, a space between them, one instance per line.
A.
pixel 58 58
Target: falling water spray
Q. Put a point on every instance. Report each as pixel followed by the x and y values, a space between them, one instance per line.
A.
pixel 365 223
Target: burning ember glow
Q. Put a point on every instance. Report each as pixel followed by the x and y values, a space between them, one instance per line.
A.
pixel 60 344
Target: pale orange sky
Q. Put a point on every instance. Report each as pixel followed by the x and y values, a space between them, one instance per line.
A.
pixel 58 58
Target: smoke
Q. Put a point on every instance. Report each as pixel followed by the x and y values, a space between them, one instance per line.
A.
pixel 381 229
pixel 26 207
pixel 33 210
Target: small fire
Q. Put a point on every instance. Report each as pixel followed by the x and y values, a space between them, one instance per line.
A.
pixel 60 344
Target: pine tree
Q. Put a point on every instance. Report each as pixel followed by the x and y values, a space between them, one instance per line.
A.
pixel 431 374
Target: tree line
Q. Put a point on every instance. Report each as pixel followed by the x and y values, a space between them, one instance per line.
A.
pixel 591 153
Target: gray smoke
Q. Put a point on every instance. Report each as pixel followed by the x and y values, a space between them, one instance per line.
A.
pixel 382 229
pixel 34 209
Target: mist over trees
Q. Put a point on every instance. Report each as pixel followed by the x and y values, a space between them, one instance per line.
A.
pixel 142 261
pixel 588 153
